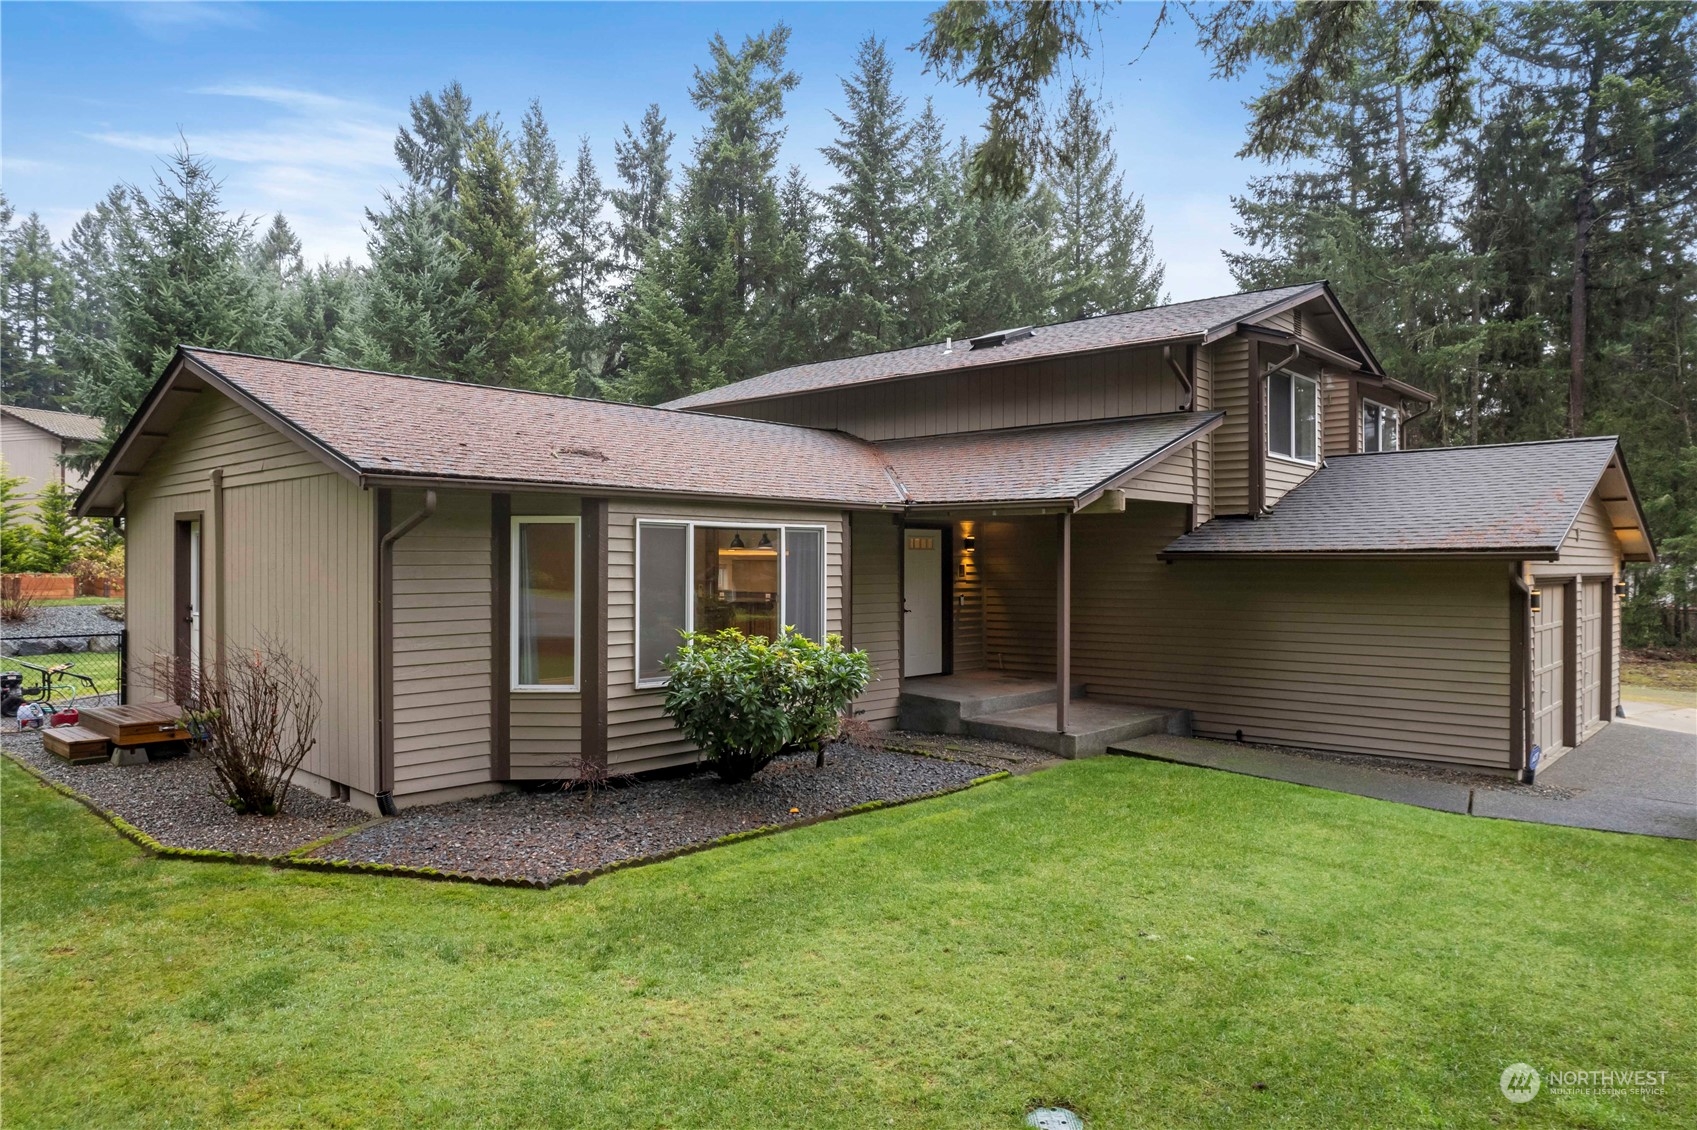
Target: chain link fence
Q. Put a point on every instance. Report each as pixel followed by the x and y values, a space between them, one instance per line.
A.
pixel 60 670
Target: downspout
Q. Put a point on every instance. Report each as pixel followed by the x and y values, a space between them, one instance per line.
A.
pixel 1523 598
pixel 217 508
pixel 1184 380
pixel 386 652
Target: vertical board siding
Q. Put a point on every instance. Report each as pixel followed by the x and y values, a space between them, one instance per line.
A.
pixel 1230 383
pixel 298 545
pixel 1087 387
pixel 544 727
pixel 876 577
pixel 639 735
pixel 443 664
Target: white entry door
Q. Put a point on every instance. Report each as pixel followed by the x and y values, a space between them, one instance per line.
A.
pixel 922 601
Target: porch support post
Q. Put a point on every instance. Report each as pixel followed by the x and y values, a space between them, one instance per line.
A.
pixel 1063 624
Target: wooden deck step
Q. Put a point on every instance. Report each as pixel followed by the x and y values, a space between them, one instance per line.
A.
pixel 141 723
pixel 75 744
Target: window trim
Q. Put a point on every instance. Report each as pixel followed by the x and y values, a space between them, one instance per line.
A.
pixel 513 635
pixel 689 525
pixel 1385 411
pixel 1318 423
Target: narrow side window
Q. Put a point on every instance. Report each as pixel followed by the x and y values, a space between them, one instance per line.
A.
pixel 545 607
pixel 662 595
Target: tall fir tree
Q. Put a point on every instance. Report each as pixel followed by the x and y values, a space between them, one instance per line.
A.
pixel 584 269
pixel 1106 255
pixel 32 305
pixel 644 193
pixel 432 151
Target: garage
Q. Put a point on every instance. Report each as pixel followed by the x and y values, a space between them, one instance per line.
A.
pixel 1549 672
pixel 1591 712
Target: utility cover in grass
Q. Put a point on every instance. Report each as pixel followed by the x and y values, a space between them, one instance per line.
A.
pixel 1054 1118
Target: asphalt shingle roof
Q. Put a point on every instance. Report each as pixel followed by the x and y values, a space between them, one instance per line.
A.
pixel 65 425
pixel 1508 497
pixel 1108 331
pixel 1048 463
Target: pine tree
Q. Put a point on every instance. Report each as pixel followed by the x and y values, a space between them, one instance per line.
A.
pixel 60 537
pixel 868 254
pixel 183 278
pixel 932 300
pixel 89 321
pixel 433 152
pixel 1004 251
pixel 32 304
pixel 643 163
pixel 17 527
pixel 512 318
pixel 1106 255
pixel 279 250
pixel 584 269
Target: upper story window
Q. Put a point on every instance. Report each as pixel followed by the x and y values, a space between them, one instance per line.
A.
pixel 1379 427
pixel 1291 412
pixel 708 577
pixel 544 603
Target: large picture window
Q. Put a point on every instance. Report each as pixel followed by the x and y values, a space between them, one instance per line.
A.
pixel 1291 414
pixel 1378 427
pixel 710 577
pixel 544 604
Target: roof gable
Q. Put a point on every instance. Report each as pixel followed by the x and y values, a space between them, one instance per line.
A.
pixel 66 425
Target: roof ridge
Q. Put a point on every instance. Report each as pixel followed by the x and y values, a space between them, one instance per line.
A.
pixel 1478 446
pixel 496 388
pixel 1055 424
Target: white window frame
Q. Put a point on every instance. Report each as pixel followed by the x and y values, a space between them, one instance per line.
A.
pixel 1386 412
pixel 513 563
pixel 689 525
pixel 1295 378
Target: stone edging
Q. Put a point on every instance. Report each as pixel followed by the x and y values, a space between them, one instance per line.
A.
pixel 301 859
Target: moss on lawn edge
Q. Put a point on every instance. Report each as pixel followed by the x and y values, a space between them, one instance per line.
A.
pixel 302 859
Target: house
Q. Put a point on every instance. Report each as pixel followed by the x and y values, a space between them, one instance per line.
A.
pixel 1199 509
pixel 35 443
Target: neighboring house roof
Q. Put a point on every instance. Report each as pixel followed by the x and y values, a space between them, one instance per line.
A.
pixel 387 429
pixel 65 425
pixel 1177 322
pixel 1513 500
pixel 1046 463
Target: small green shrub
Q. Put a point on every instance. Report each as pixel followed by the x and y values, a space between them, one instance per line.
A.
pixel 743 699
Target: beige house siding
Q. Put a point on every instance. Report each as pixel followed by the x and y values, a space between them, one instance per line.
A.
pixel 443 666
pixel 297 554
pixel 1230 390
pixel 639 735
pixel 545 728
pixel 1284 476
pixel 1174 479
pixel 1591 546
pixel 877 621
pixel 1203 446
pixel 1089 387
pixel 1017 558
pixel 1395 658
pixel 33 455
pixel 1336 438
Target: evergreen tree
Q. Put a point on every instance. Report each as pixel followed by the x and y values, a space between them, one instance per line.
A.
pixel 279 250
pixel 584 269
pixel 643 163
pixel 1106 255
pixel 89 321
pixel 17 527
pixel 60 537
pixel 183 278
pixel 868 255
pixel 433 152
pixel 318 308
pixel 32 302
pixel 512 318
pixel 932 303
pixel 1004 246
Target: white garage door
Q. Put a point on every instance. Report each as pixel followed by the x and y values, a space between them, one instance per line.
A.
pixel 1549 670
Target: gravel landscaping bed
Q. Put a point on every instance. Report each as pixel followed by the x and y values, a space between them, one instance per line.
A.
pixel 66 620
pixel 543 835
pixel 172 800
pixel 980 751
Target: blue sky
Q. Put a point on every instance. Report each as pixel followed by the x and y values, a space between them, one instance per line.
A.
pixel 297 104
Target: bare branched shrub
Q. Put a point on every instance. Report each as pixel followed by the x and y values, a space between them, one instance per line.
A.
pixel 859 732
pixel 251 712
pixel 590 775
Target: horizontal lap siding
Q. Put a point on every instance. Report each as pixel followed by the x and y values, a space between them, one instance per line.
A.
pixel 1230 382
pixel 544 728
pixel 1591 546
pixel 639 735
pixel 1282 478
pixel 442 644
pixel 1088 387
pixel 1204 446
pixel 1171 480
pixel 298 545
pixel 1334 415
pixel 1403 659
pixel 877 620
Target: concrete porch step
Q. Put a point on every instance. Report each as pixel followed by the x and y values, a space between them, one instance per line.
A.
pixel 1092 725
pixel 941 704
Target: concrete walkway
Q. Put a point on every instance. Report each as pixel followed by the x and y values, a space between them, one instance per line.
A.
pixel 1678 713
pixel 1635 779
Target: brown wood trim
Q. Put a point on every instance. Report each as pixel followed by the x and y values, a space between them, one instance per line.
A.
pixel 182 634
pixel 1571 706
pixel 846 618
pixel 593 678
pixel 901 597
pixel 1257 432
pixel 1063 622
pixel 947 533
pixel 1355 417
pixel 1519 669
pixel 500 633
pixel 384 768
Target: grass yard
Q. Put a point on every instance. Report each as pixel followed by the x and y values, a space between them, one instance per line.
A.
pixel 1155 945
pixel 101 666
pixel 1659 676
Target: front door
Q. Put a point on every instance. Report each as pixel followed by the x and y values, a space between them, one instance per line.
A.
pixel 922 601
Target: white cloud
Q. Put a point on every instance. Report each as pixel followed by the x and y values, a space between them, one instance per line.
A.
pixel 318 158
pixel 173 19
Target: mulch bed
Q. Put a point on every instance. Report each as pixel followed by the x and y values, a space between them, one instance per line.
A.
pixel 543 835
pixel 172 800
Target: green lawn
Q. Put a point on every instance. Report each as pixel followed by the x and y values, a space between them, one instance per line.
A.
pixel 1153 944
pixel 101 666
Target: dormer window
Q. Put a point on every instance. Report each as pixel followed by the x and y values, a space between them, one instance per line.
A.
pixel 1291 417
pixel 1379 427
